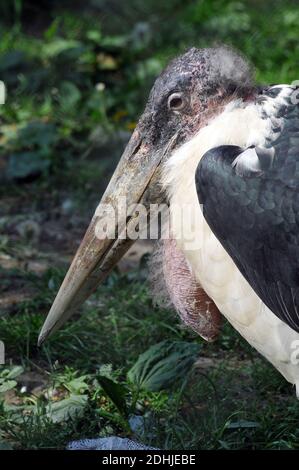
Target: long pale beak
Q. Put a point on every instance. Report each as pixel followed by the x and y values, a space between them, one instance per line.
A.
pixel 98 254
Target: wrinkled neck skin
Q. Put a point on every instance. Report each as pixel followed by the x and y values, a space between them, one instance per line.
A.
pixel 195 308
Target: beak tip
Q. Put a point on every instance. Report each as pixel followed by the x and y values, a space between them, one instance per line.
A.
pixel 45 332
pixel 41 338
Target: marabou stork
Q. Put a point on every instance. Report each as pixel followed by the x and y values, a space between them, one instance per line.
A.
pixel 212 140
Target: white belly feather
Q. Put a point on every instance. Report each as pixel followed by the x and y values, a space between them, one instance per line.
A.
pixel 211 264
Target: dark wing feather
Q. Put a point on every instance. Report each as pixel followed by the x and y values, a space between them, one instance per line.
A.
pixel 254 212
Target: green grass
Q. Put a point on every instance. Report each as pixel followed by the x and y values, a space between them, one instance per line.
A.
pixel 58 114
pixel 238 401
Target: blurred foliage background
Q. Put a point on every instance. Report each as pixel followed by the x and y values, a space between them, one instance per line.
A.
pixel 77 75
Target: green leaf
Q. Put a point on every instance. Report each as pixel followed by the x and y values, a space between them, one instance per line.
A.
pixel 50 33
pixel 71 407
pixel 116 392
pixel 7 385
pixel 163 365
pixel 15 372
pixel 59 45
pixel 70 95
pixel 77 386
pixel 115 41
pixel 94 35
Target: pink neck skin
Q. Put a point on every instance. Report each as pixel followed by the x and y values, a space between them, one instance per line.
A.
pixel 194 306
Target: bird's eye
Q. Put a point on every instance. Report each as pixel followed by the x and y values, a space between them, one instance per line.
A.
pixel 175 102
